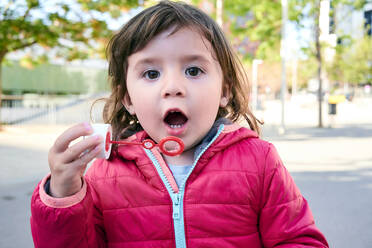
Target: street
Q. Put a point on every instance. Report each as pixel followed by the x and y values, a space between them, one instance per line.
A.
pixel 331 166
pixel 333 169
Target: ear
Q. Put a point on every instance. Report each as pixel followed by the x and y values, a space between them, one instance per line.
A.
pixel 128 104
pixel 225 96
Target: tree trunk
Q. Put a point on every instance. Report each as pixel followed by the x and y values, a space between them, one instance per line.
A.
pixel 319 59
pixel 2 56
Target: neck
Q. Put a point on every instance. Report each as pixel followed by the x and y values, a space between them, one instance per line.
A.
pixel 186 158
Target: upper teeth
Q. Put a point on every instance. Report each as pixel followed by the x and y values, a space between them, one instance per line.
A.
pixel 175 126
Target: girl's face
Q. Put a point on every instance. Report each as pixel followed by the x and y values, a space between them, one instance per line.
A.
pixel 175 86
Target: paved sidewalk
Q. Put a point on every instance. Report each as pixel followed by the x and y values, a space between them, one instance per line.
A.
pixel 331 166
pixel 333 169
pixel 23 162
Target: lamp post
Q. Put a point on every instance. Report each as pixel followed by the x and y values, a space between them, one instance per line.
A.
pixel 219 9
pixel 255 64
pixel 283 55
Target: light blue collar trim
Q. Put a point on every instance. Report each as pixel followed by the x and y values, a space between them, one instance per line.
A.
pixel 212 132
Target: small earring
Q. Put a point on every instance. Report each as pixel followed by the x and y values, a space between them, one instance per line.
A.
pixel 223 102
pixel 130 110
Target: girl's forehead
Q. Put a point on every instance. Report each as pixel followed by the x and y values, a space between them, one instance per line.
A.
pixel 184 41
pixel 182 34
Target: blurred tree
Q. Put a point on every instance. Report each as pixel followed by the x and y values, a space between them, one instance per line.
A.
pixel 77 28
pixel 311 10
pixel 255 27
pixel 307 69
pixel 352 63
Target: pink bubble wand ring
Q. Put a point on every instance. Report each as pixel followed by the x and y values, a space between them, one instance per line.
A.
pixel 171 145
pixel 149 144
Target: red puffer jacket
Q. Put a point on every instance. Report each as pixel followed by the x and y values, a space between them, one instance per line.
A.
pixel 238 194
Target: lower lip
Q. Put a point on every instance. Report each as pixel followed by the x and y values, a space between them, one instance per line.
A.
pixel 175 131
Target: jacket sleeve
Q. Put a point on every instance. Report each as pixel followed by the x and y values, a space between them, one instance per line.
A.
pixel 285 217
pixel 72 221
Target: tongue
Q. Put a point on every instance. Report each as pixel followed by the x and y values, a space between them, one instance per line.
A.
pixel 175 119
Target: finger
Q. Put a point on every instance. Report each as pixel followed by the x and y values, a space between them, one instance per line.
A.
pixel 75 151
pixel 87 157
pixel 74 132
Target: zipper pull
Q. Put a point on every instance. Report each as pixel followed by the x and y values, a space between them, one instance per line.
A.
pixel 176 206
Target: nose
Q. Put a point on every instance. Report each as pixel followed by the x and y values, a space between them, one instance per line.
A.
pixel 173 85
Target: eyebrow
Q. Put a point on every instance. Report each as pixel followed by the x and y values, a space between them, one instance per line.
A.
pixel 184 59
pixel 146 61
pixel 195 57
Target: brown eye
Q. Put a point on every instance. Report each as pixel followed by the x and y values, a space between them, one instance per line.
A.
pixel 151 74
pixel 193 71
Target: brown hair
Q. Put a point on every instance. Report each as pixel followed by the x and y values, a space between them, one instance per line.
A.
pixel 140 30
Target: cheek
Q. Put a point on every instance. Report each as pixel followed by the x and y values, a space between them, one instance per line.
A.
pixel 208 105
pixel 143 109
pixel 138 98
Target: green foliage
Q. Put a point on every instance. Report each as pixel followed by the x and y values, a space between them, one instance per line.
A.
pixel 111 6
pixel 352 64
pixel 356 4
pixel 306 70
pixel 254 21
pixel 348 65
pixel 75 28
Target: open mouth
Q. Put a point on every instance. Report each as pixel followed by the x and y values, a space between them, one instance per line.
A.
pixel 175 119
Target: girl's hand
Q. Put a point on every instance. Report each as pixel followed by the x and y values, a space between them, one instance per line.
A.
pixel 67 163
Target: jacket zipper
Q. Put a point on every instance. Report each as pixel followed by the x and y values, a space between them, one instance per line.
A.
pixel 177 198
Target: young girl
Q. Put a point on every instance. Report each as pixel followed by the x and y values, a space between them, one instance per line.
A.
pixel 173 73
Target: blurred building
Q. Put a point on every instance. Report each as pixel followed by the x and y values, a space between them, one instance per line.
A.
pixel 31 85
pixel 52 93
pixel 341 21
pixel 351 22
pixel 340 24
